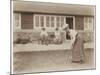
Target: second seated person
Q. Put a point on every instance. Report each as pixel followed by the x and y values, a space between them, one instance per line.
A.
pixel 57 38
pixel 44 36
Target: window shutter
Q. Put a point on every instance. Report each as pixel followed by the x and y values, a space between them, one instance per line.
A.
pixel 26 21
pixel 79 23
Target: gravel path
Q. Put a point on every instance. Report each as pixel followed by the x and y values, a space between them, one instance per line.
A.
pixel 43 61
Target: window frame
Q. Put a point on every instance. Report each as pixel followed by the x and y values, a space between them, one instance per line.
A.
pixel 15 28
pixel 89 24
pixel 55 21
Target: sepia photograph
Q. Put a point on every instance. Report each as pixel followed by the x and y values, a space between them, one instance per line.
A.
pixel 52 37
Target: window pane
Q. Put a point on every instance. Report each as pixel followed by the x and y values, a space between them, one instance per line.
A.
pixel 62 21
pixel 17 21
pixel 42 21
pixel 47 21
pixel 16 16
pixel 91 23
pixel 52 21
pixel 88 25
pixel 37 21
pixel 58 21
pixel 86 20
pixel 90 20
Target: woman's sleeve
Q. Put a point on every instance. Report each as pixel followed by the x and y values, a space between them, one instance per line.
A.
pixel 73 37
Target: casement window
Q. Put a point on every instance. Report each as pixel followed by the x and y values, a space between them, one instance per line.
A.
pixel 16 21
pixel 58 21
pixel 88 23
pixel 52 21
pixel 47 21
pixel 36 21
pixel 62 21
pixel 41 21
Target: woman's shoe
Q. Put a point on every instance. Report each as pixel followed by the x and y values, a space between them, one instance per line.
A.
pixel 81 61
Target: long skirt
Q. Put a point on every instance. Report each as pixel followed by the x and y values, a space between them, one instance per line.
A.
pixel 78 49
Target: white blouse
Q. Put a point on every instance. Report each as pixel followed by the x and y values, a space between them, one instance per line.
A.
pixel 43 33
pixel 73 34
pixel 57 34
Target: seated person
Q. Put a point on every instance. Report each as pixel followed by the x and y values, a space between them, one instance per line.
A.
pixel 44 36
pixel 57 39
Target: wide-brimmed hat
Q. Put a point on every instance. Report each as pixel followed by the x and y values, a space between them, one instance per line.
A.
pixel 65 26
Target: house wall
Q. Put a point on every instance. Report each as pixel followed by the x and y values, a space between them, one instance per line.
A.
pixel 26 27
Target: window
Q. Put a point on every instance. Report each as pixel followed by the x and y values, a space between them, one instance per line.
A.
pixel 62 21
pixel 52 21
pixel 37 21
pixel 47 21
pixel 16 21
pixel 41 21
pixel 58 21
pixel 88 23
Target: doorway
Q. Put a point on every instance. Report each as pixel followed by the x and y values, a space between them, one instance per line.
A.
pixel 70 20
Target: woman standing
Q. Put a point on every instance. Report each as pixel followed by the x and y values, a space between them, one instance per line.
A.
pixel 77 44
